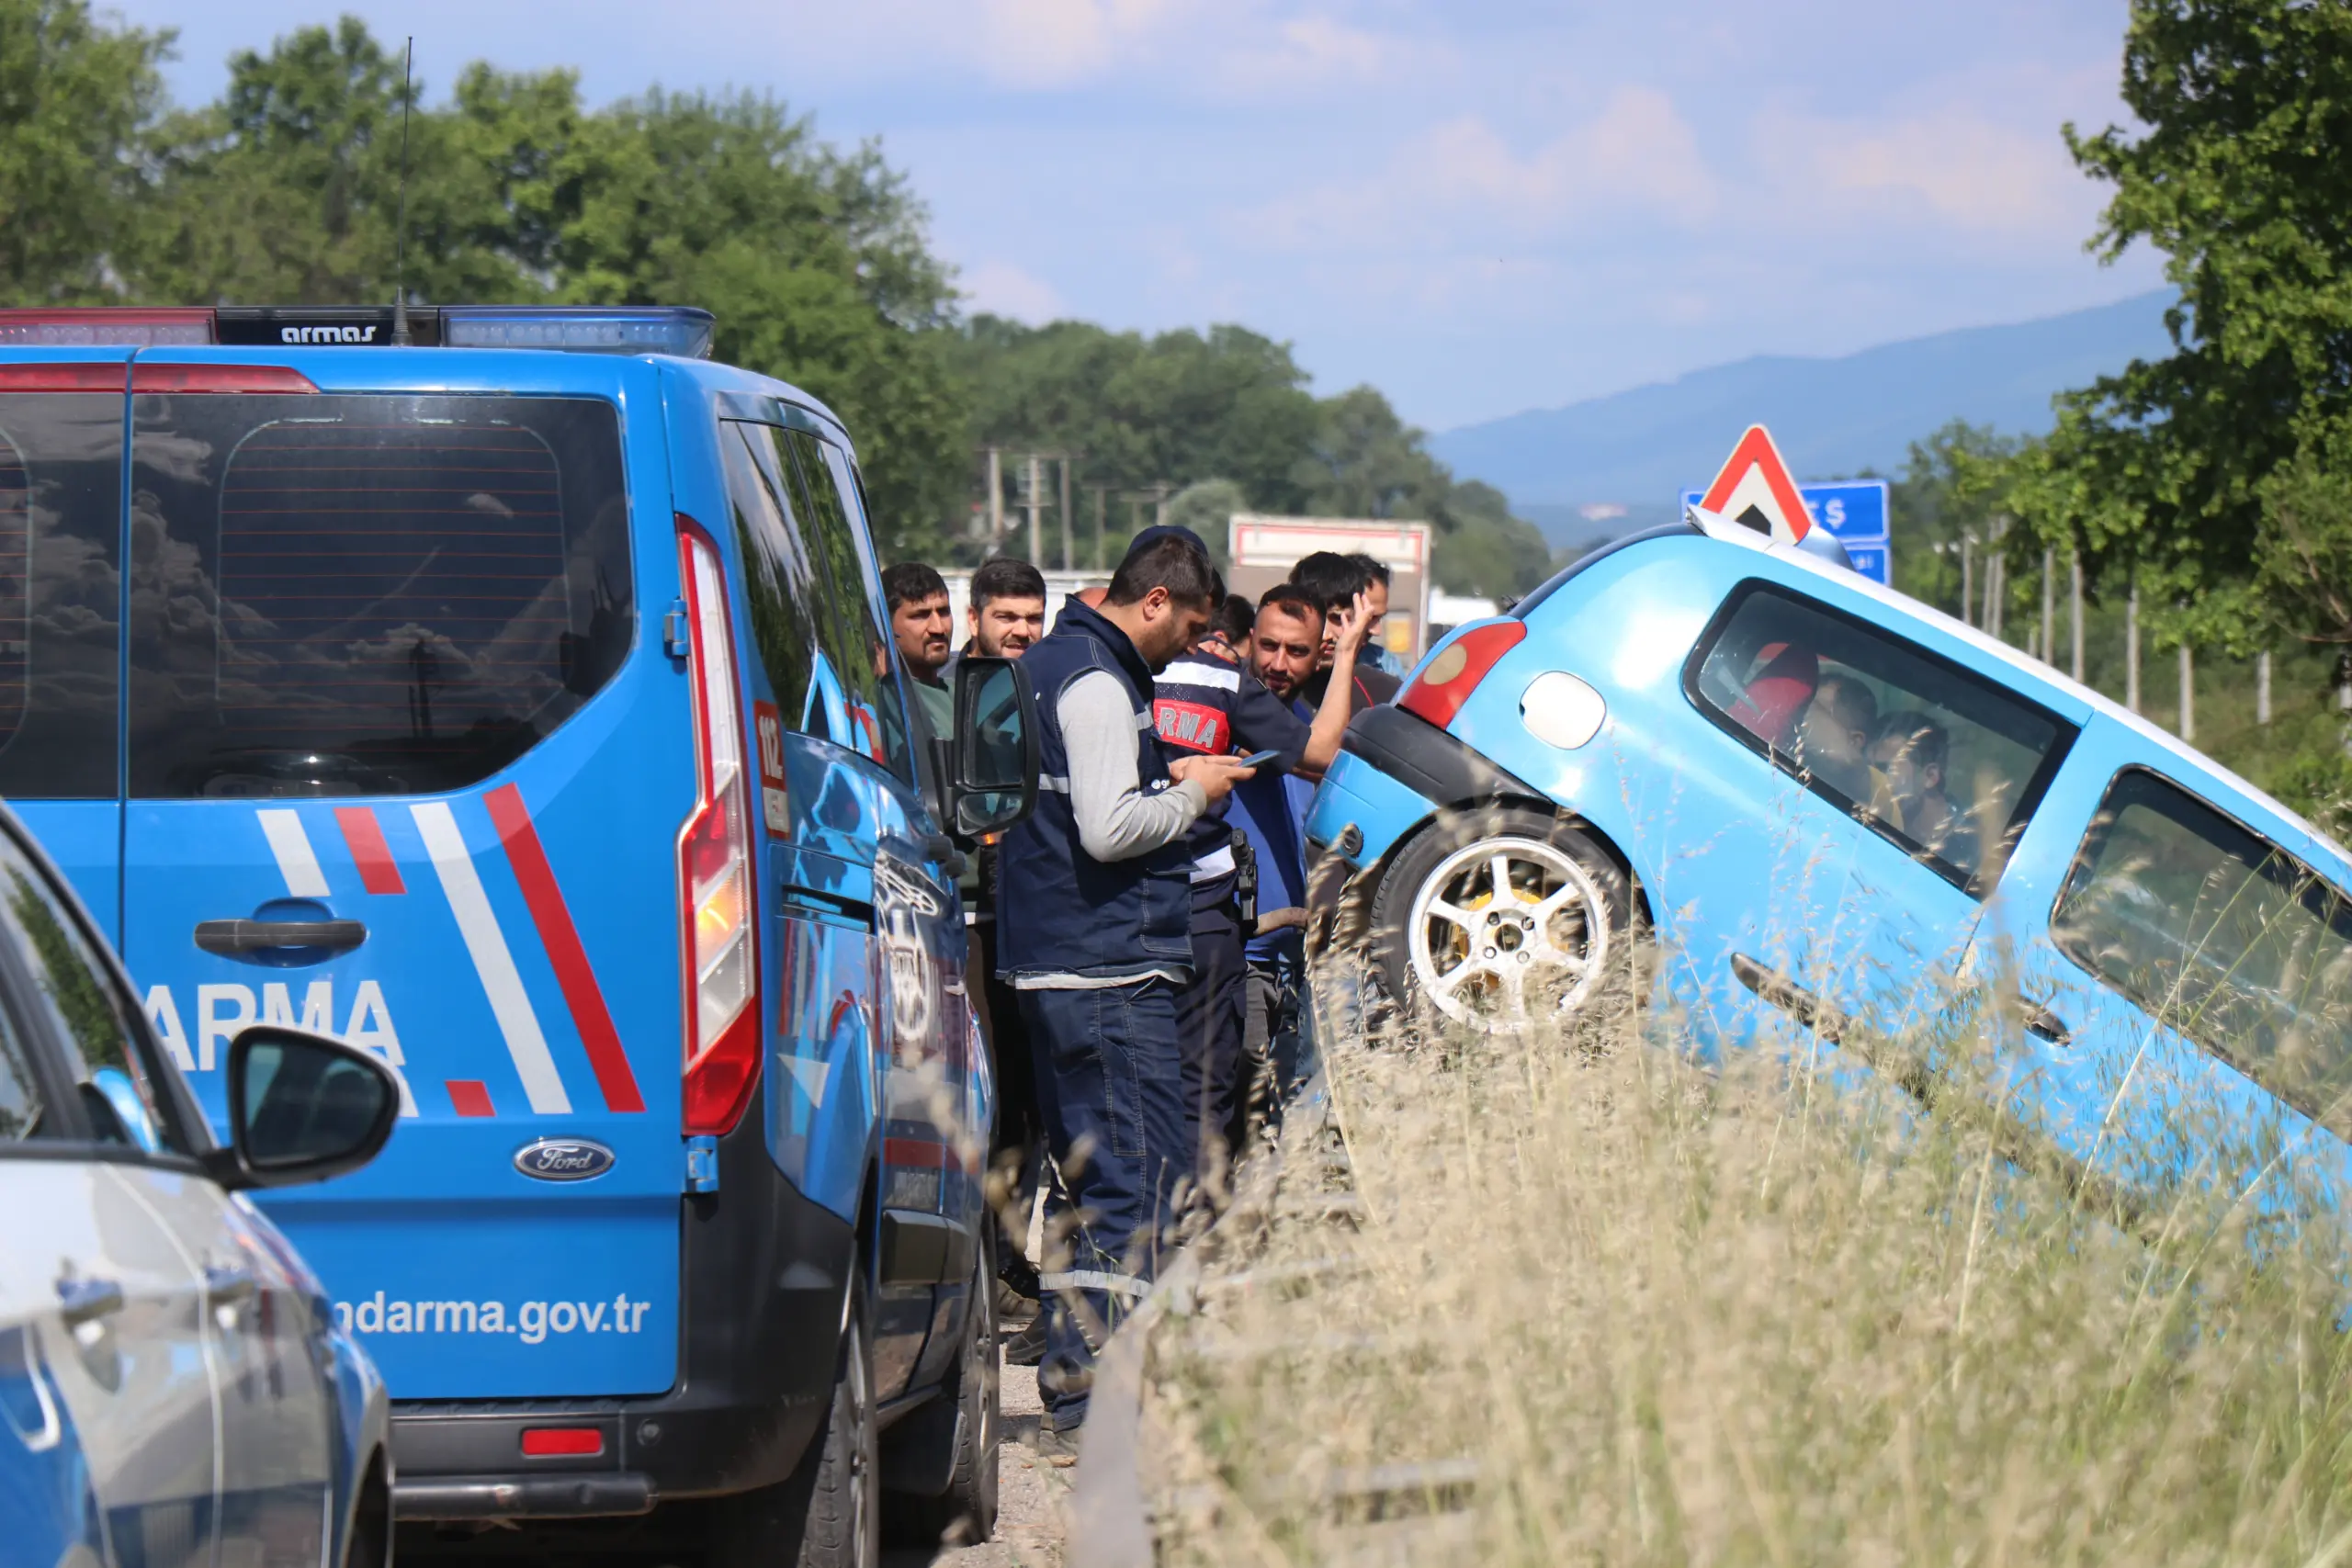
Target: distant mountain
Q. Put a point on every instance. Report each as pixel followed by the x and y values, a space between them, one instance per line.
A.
pixel 1638 448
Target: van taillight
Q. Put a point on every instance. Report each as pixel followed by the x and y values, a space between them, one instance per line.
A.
pixel 1437 692
pixel 715 869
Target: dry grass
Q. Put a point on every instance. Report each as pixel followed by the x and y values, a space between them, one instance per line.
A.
pixel 1622 1310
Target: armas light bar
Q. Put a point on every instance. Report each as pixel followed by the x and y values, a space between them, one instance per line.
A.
pixel 681 330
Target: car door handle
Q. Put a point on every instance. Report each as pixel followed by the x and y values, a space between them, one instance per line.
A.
pixel 86 1301
pixel 223 1287
pixel 1782 992
pixel 2041 1020
pixel 231 939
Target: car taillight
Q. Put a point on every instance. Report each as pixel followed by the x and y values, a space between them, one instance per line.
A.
pixel 1437 692
pixel 715 869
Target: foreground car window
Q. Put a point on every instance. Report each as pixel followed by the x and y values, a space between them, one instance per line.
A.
pixel 111 1061
pixel 1942 762
pixel 2219 934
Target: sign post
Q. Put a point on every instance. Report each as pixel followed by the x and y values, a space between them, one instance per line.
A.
pixel 1755 489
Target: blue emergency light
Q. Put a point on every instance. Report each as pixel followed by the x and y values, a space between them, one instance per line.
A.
pixel 681 330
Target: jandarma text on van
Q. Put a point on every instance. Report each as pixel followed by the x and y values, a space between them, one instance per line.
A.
pixel 533 1321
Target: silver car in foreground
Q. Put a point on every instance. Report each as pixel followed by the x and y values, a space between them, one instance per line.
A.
pixel 173 1392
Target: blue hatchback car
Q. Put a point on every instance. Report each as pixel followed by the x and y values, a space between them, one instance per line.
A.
pixel 1830 802
pixel 529 719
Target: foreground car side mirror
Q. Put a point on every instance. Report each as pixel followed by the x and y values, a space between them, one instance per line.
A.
pixel 302 1108
pixel 992 758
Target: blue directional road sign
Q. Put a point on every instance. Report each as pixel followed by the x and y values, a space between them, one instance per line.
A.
pixel 1854 511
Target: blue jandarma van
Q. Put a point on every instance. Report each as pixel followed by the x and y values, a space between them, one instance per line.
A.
pixel 529 718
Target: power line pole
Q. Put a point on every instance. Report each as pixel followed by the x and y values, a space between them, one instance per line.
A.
pixel 2048 605
pixel 1066 555
pixel 2132 646
pixel 2188 693
pixel 1100 493
pixel 2262 687
pixel 1967 579
pixel 1034 500
pixel 995 501
pixel 2074 616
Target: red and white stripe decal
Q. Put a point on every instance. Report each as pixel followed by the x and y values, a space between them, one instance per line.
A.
pixel 486 945
pixel 561 940
pixel 363 836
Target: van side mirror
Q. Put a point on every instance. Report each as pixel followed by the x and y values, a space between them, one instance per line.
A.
pixel 302 1108
pixel 992 758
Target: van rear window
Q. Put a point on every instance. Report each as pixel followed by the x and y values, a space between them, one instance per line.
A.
pixel 60 523
pixel 367 596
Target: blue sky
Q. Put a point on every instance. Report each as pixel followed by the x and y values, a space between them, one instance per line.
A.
pixel 1479 206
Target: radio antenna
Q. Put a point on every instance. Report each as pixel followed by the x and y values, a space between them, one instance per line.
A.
pixel 400 229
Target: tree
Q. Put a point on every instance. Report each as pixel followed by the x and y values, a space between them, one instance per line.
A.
pixel 816 262
pixel 77 102
pixel 1950 489
pixel 1207 509
pixel 2239 178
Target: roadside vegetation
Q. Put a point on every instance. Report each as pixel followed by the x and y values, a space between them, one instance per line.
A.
pixel 816 258
pixel 1605 1304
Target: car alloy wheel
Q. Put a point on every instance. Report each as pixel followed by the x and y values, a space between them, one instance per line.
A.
pixel 1506 931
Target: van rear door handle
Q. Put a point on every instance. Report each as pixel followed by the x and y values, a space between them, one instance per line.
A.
pixel 1799 1003
pixel 233 938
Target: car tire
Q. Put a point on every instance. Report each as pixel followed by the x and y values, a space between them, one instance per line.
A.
pixel 370 1542
pixel 1554 944
pixel 827 1514
pixel 969 1429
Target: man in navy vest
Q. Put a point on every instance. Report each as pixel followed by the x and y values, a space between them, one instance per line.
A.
pixel 1095 904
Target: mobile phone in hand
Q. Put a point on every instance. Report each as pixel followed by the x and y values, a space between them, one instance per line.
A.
pixel 1260 759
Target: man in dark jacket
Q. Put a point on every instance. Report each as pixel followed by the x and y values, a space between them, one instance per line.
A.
pixel 1099 877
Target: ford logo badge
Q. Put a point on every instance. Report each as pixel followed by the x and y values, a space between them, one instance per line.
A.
pixel 563 1159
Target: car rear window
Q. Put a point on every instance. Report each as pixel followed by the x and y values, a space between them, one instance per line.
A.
pixel 2210 928
pixel 61 592
pixel 1940 761
pixel 368 595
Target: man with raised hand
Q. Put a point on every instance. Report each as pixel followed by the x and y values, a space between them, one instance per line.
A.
pixel 1100 876
pixel 1207 703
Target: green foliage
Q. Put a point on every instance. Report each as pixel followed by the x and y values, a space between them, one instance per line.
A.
pixel 814 259
pixel 1946 492
pixel 1207 509
pixel 2239 179
pixel 76 101
pixel 1178 408
pixel 1187 408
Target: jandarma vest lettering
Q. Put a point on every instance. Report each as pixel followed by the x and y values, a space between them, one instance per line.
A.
pixel 1060 910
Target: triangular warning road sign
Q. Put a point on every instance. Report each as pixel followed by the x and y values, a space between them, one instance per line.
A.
pixel 1755 488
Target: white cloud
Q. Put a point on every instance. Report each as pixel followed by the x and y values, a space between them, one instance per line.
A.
pixel 1041 43
pixel 1966 172
pixel 1463 180
pixel 1000 288
pixel 1312 52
